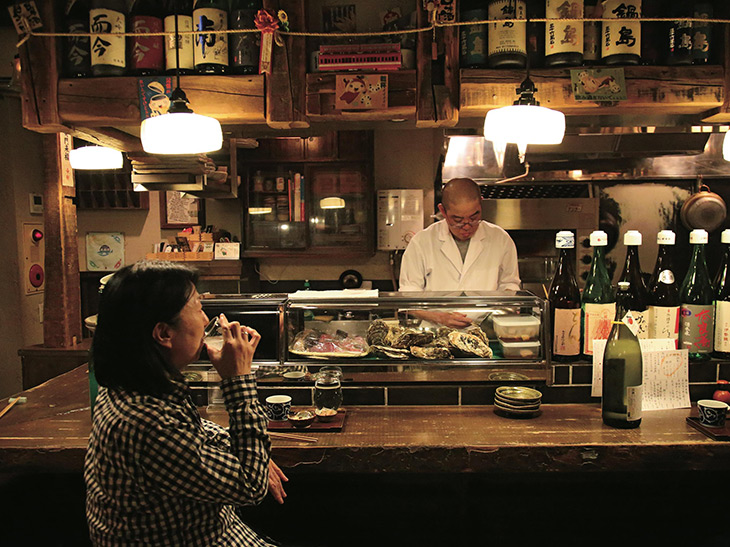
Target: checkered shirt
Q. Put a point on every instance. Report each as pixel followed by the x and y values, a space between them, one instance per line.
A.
pixel 158 474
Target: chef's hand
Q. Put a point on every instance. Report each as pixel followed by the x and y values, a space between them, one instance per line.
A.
pixel 239 345
pixel 276 476
pixel 453 319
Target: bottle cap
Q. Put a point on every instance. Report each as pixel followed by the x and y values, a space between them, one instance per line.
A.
pixel 725 236
pixel 623 285
pixel 599 238
pixel 698 236
pixel 564 240
pixel 666 237
pixel 632 237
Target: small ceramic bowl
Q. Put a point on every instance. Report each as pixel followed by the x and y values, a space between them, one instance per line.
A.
pixel 301 419
pixel 326 414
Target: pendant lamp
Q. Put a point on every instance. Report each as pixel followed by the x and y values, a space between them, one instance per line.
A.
pixel 180 130
pixel 726 147
pixel 95 157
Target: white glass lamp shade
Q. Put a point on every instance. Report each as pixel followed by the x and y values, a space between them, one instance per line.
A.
pixel 181 133
pixel 524 124
pixel 259 210
pixel 332 203
pixel 726 147
pixel 95 157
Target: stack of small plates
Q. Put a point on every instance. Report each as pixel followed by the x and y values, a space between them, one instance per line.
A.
pixel 517 402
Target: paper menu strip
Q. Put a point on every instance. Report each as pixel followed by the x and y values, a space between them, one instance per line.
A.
pixel 666 374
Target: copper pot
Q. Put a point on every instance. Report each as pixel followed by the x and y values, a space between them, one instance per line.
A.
pixel 705 210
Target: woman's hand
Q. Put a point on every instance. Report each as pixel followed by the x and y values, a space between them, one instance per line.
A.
pixel 276 476
pixel 239 345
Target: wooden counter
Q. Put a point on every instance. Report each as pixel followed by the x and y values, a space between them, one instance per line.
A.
pixel 51 431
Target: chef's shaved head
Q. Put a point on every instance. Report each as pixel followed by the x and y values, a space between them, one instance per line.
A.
pixel 459 191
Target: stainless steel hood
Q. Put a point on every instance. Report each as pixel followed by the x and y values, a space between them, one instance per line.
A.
pixel 630 154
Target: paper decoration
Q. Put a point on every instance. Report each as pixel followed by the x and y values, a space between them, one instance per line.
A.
pixel 154 95
pixel 361 92
pixel 104 251
pixel 25 17
pixel 598 84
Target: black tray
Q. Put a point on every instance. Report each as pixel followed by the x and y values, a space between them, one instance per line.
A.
pixel 715 433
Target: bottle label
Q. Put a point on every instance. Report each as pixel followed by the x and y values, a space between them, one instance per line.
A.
pixel 696 328
pixel 597 324
pixel 209 46
pixel 147 52
pixel 77 52
pixel 664 322
pixel 634 396
pixel 631 323
pixel 722 326
pixel 563 37
pixel 473 39
pixel 507 37
pixel 641 320
pixel 566 332
pixel 107 50
pixel 622 36
pixel 245 46
pixel 666 277
pixel 185 42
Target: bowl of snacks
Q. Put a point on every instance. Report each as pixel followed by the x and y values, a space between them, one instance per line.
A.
pixel 326 414
pixel 301 419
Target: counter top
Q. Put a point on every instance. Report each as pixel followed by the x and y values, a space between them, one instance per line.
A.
pixel 51 431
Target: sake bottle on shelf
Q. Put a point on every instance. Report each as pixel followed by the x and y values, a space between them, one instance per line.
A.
pixel 76 49
pixel 702 33
pixel 244 47
pixel 697 313
pixel 146 53
pixel 183 10
pixel 637 296
pixel 621 43
pixel 593 9
pixel 210 48
pixel 621 395
pixel 564 298
pixel 664 291
pixel 598 301
pixel 108 53
pixel 507 41
pixel 722 302
pixel 563 40
pixel 679 34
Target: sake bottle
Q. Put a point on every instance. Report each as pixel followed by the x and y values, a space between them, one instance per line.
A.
pixel 473 38
pixel 507 41
pixel 108 53
pixel 598 301
pixel 592 32
pixel 564 298
pixel 563 40
pixel 146 53
pixel 702 33
pixel 637 296
pixel 183 10
pixel 622 391
pixel 76 49
pixel 679 34
pixel 697 313
pixel 211 48
pixel 621 43
pixel 664 291
pixel 245 46
pixel 722 302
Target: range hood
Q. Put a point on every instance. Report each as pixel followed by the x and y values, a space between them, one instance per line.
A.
pixel 633 154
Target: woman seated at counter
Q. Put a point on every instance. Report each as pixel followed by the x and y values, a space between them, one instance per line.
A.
pixel 156 473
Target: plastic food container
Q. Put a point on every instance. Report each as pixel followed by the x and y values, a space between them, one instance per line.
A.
pixel 520 350
pixel 516 328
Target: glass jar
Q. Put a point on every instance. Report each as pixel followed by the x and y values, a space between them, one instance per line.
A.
pixel 328 388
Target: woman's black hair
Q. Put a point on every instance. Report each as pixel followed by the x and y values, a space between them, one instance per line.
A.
pixel 136 298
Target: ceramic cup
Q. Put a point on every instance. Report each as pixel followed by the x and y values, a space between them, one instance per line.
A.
pixel 277 407
pixel 712 413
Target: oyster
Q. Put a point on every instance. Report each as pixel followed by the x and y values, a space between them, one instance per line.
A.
pixel 386 352
pixel 443 332
pixel 393 334
pixel 434 352
pixel 411 337
pixel 478 332
pixel 469 345
pixel 377 332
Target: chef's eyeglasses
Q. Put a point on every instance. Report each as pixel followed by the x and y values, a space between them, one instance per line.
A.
pixel 460 222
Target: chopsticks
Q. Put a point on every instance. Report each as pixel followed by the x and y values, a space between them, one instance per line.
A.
pixel 11 403
pixel 292 437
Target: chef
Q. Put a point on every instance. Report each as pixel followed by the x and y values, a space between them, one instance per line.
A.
pixel 460 253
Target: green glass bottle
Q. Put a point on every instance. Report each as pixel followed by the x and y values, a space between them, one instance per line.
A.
pixel 697 312
pixel 664 291
pixel 621 396
pixel 598 301
pixel 638 296
pixel 564 298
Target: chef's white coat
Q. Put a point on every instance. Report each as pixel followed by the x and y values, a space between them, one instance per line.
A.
pixel 432 261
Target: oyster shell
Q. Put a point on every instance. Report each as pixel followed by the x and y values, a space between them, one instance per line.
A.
pixel 478 332
pixel 393 334
pixel 469 345
pixel 378 332
pixel 443 332
pixel 434 352
pixel 387 352
pixel 411 337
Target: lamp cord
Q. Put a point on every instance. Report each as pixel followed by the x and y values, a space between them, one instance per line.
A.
pixel 527 26
pixel 177 50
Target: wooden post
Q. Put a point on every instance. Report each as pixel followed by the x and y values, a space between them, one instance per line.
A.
pixel 62 302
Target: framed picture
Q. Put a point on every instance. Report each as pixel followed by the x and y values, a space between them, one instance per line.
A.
pixel 177 211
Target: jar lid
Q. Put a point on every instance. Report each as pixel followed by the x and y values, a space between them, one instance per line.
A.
pixel 599 238
pixel 564 240
pixel 632 237
pixel 725 236
pixel 666 237
pixel 698 236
